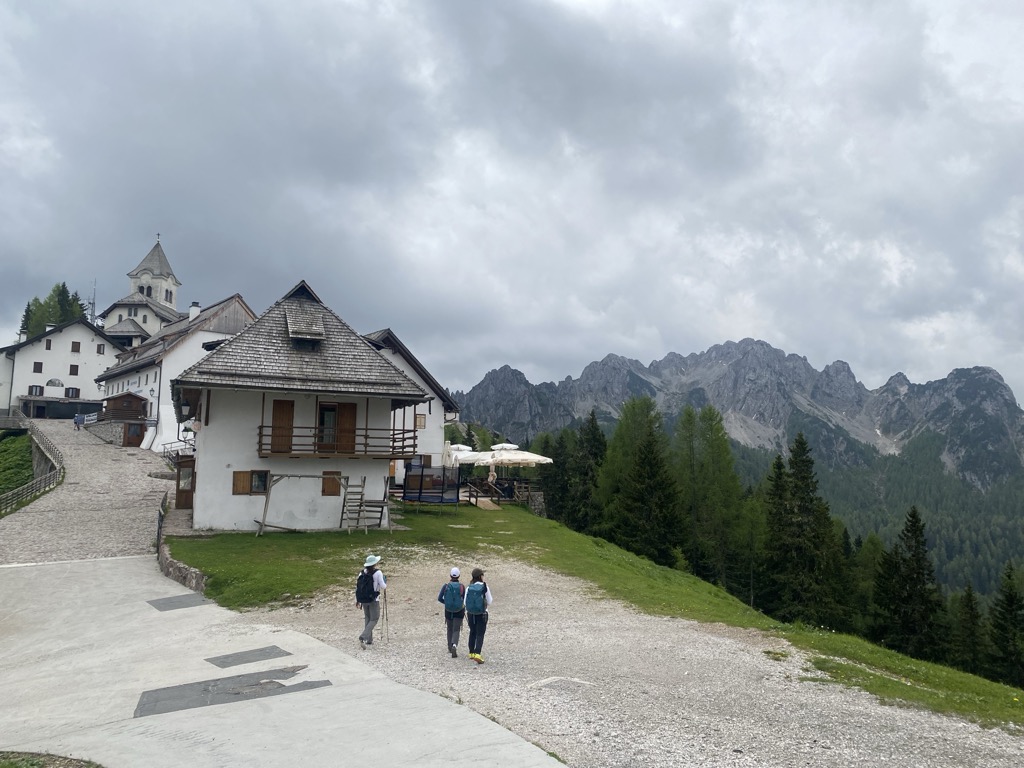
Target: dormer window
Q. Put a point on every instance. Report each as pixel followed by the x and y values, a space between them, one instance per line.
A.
pixel 306 345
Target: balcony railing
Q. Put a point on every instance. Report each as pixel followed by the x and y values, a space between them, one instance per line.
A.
pixel 320 442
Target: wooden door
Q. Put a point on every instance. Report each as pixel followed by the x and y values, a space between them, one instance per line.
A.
pixel 186 483
pixel 346 427
pixel 283 421
pixel 132 435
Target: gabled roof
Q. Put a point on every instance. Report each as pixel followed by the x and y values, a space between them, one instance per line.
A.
pixel 127 327
pixel 266 356
pixel 387 338
pixel 168 337
pixel 162 311
pixel 156 264
pixel 9 350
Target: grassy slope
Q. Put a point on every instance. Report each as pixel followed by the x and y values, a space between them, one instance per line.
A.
pixel 247 571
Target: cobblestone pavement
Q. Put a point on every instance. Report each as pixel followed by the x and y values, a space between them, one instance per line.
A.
pixel 106 507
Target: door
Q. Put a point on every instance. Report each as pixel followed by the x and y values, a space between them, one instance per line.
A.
pixel 186 483
pixel 283 421
pixel 346 427
pixel 132 435
pixel 327 428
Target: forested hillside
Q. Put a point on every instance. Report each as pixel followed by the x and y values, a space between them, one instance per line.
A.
pixel 777 538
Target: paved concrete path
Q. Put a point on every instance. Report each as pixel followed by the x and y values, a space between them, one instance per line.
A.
pixel 107 660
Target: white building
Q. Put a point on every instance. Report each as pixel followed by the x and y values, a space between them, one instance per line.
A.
pixel 52 375
pixel 146 370
pixel 149 306
pixel 297 407
pixel 429 420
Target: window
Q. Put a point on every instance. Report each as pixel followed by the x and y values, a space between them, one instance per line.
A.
pixel 144 319
pixel 55 383
pixel 37 367
pixel 249 483
pixel 73 392
pixel 35 391
pixel 149 290
pixel 48 341
pixel 101 349
pixel 331 484
pixel 120 318
pixel 421 421
pixel 133 311
pixel 76 346
pixel 142 290
pixel 73 370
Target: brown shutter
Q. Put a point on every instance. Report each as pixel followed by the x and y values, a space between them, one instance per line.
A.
pixel 331 484
pixel 241 482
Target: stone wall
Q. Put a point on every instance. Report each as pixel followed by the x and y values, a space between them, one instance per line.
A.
pixel 108 431
pixel 186 575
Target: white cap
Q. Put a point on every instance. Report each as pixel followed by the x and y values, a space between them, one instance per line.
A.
pixel 455 573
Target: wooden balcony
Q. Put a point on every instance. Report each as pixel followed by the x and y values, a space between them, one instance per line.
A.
pixel 321 443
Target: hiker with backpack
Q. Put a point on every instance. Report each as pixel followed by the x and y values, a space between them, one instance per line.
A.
pixel 453 595
pixel 369 586
pixel 478 597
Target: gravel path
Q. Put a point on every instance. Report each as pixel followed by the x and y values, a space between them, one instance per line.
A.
pixel 599 684
pixel 585 677
pixel 106 507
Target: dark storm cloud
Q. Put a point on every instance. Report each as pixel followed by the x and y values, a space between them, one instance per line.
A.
pixel 536 183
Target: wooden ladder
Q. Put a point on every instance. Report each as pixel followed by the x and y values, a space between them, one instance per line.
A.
pixel 352 510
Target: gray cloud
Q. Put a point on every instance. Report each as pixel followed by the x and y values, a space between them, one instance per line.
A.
pixel 537 183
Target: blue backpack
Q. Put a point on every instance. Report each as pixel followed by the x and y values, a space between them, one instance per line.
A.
pixel 475 602
pixel 453 597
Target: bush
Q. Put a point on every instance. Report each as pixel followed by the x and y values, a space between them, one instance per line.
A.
pixel 15 462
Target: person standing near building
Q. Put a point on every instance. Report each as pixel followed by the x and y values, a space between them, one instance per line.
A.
pixel 370 585
pixel 478 597
pixel 453 595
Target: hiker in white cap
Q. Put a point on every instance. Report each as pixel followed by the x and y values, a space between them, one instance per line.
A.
pixel 453 595
pixel 369 587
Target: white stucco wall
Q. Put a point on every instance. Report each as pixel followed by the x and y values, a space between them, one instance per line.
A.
pixel 57 362
pixel 430 439
pixel 229 444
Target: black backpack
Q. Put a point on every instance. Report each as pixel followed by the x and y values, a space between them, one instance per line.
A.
pixel 365 593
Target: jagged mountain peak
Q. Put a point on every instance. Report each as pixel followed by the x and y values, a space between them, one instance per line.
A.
pixel 762 392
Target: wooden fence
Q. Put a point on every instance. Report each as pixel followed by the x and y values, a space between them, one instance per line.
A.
pixel 14 499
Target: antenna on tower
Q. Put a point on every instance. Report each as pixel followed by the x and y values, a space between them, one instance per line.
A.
pixel 92 303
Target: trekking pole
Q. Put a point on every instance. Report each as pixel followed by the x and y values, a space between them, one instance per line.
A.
pixel 387 630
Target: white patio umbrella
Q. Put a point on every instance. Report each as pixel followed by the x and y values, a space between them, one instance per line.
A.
pixel 511 457
pixel 504 447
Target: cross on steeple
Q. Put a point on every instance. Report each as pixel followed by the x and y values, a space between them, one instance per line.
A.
pixel 158 237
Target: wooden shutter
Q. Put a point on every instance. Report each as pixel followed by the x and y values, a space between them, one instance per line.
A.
pixel 331 484
pixel 241 482
pixel 283 420
pixel 346 427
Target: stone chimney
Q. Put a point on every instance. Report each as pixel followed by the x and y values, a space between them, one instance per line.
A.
pixel 193 311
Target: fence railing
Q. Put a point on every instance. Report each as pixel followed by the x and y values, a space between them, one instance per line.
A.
pixel 13 499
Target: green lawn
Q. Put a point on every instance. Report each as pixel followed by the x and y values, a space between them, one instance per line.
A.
pixel 245 571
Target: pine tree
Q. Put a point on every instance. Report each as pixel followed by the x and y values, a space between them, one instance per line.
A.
pixel 805 568
pixel 1006 662
pixel 910 606
pixel 581 511
pixel 967 649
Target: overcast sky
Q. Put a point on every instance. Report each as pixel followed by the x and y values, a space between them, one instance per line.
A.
pixel 537 183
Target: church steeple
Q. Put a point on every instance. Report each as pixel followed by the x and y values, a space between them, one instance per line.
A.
pixel 155 279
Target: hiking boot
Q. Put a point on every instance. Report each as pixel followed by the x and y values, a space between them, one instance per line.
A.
pixel 455 653
pixel 362 644
pixel 479 659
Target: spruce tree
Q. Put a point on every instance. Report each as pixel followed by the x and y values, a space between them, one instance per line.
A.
pixel 581 512
pixel 806 571
pixel 1006 662
pixel 967 648
pixel 910 606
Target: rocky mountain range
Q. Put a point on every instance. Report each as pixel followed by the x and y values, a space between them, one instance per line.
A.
pixel 766 395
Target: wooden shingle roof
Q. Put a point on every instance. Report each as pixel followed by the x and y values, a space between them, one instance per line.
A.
pixel 268 355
